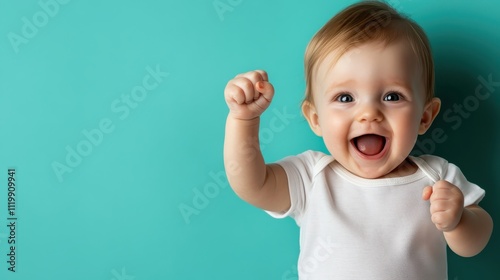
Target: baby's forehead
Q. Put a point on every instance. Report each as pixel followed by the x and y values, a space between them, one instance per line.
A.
pixel 350 52
pixel 401 50
pixel 371 63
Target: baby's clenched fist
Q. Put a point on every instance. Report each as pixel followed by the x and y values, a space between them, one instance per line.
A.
pixel 447 204
pixel 248 95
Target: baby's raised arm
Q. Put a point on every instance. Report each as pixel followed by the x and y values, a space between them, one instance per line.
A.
pixel 248 95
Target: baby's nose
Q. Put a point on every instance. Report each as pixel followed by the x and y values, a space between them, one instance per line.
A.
pixel 370 113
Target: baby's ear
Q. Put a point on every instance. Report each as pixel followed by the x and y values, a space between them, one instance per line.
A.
pixel 309 112
pixel 431 110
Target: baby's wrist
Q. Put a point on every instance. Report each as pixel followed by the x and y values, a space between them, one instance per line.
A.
pixel 244 121
pixel 460 220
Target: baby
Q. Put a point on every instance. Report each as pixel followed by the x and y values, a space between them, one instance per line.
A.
pixel 368 210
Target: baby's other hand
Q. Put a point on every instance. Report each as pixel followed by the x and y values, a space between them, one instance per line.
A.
pixel 248 95
pixel 447 204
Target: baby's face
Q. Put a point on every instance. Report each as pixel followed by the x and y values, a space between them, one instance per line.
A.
pixel 369 108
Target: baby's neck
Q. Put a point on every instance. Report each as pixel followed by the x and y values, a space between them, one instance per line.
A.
pixel 407 167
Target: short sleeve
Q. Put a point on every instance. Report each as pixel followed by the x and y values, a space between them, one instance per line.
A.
pixel 473 194
pixel 299 172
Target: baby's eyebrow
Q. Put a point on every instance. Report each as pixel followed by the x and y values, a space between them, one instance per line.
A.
pixel 335 85
pixel 400 83
pixel 347 83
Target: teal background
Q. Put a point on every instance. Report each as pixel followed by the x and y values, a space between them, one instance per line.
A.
pixel 117 214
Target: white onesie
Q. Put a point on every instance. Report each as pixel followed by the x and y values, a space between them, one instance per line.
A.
pixel 373 229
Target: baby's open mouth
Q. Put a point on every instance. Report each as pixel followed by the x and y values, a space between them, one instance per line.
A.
pixel 369 144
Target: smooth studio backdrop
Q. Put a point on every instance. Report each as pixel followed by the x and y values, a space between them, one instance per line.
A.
pixel 112 115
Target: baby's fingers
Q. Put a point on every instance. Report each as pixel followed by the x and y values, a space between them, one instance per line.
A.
pixel 267 89
pixel 248 89
pixel 234 94
pixel 426 193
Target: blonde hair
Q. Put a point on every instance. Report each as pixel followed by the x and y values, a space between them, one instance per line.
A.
pixel 364 22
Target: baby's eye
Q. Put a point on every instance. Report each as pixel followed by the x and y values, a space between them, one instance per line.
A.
pixel 392 96
pixel 344 98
